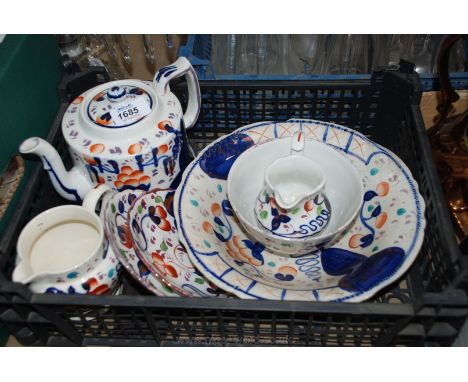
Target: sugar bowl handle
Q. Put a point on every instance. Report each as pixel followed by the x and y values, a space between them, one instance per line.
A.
pixel 181 67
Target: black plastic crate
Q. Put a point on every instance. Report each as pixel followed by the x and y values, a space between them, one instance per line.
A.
pixel 427 306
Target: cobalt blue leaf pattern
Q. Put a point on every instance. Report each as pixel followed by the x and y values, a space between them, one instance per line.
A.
pixel 361 272
pixel 278 219
pixel 227 208
pixel 217 161
pixel 367 240
pixel 376 212
pixel 337 261
pixel 275 223
pixel 283 277
pixel 369 195
pixel 256 249
pixel 375 269
pixel 142 269
pixel 219 237
pixel 218 221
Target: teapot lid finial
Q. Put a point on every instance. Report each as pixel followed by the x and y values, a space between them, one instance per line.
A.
pixel 116 93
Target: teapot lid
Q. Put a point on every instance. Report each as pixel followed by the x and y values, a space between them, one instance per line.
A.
pixel 114 118
pixel 119 105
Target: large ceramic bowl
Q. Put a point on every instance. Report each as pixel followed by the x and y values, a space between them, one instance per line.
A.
pixel 375 251
pixel 343 188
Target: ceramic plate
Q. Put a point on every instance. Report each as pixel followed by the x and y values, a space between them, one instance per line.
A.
pixel 378 248
pixel 156 242
pixel 120 239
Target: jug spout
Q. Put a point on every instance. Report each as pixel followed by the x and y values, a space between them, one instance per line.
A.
pixel 293 179
pixel 23 273
pixel 73 184
pixel 287 199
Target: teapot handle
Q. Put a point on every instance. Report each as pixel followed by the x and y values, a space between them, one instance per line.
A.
pixel 180 68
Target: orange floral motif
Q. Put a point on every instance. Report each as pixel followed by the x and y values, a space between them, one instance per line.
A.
pixel 216 209
pixel 102 121
pixel 92 286
pixel 287 270
pixel 77 100
pixel 237 250
pixel 309 205
pixel 355 240
pixel 125 236
pixel 98 96
pixel 241 250
pixel 136 148
pixel 130 178
pixel 163 149
pixel 380 220
pixel 97 148
pixel 383 188
pixel 158 215
pixel 90 160
pixel 165 125
pixel 160 263
pixel 207 227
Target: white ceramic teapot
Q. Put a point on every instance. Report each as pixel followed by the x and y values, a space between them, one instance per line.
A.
pixel 124 133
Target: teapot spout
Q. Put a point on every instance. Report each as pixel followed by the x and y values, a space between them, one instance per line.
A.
pixel 73 184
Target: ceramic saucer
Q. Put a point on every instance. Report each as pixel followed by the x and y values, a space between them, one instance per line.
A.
pixel 120 239
pixel 375 251
pixel 156 242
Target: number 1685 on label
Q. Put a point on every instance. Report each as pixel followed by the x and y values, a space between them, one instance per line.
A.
pixel 128 113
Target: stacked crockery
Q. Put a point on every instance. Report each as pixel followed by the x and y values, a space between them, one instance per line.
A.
pixel 303 241
pixel 293 202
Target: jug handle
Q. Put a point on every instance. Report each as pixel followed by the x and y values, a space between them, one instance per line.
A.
pixel 180 68
pixel 93 197
pixel 298 143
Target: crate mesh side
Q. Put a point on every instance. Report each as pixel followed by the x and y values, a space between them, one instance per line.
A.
pixel 216 327
pixel 436 267
pixel 224 110
pixel 119 325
